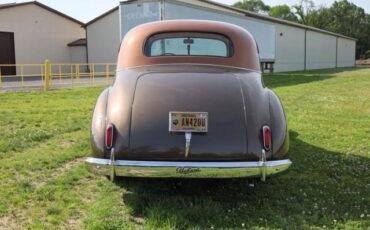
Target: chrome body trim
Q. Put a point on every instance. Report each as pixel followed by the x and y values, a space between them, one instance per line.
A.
pixel 263 165
pixel 112 162
pixel 187 143
pixel 187 169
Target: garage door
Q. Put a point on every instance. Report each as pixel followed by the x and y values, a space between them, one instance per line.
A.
pixel 7 55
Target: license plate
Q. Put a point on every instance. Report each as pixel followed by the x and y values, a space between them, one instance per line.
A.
pixel 188 122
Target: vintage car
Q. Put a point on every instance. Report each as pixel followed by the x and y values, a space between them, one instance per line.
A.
pixel 188 101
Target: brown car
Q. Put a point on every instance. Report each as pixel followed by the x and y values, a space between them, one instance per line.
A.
pixel 188 101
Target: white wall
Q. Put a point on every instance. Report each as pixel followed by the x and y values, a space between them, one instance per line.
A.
pixel 103 39
pixel 346 52
pixel 39 34
pixel 209 6
pixel 290 49
pixel 320 51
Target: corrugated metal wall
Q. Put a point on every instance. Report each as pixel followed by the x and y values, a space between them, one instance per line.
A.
pixel 290 52
pixel 103 39
pixel 320 51
pixel 302 49
pixel 346 52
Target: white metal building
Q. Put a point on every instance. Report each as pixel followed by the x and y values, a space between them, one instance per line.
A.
pixel 290 46
pixel 104 37
pixel 31 32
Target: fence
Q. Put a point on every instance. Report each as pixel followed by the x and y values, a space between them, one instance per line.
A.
pixel 55 75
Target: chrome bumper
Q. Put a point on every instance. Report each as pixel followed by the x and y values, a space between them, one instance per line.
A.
pixel 131 168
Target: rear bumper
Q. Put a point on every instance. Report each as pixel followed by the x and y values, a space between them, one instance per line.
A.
pixel 180 169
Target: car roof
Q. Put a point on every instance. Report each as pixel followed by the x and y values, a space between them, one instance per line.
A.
pixel 245 53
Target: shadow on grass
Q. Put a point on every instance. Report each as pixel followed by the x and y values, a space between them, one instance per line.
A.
pixel 276 80
pixel 322 188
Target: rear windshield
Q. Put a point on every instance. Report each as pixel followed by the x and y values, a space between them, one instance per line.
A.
pixel 188 44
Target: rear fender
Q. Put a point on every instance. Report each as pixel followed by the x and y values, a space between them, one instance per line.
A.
pixel 99 123
pixel 279 127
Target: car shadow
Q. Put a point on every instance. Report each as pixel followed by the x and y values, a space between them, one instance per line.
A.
pixel 276 80
pixel 321 189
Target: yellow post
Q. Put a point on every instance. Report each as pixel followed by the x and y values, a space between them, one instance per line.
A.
pixel 47 75
pixel 93 74
pixel 71 73
pixel 22 75
pixel 60 73
pixel 107 72
pixel 42 73
pixel 78 72
pixel 1 82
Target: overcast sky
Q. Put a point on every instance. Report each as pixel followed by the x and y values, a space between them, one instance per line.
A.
pixel 86 10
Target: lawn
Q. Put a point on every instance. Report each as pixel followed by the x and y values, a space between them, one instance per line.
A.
pixel 45 184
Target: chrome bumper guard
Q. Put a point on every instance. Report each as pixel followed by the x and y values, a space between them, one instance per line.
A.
pixel 186 169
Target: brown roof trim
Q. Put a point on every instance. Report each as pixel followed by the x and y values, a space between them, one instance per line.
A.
pixel 5 6
pixel 101 16
pixel 78 42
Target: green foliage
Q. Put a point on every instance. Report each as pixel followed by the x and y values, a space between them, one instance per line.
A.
pixel 283 12
pixel 351 20
pixel 319 18
pixel 303 9
pixel 257 6
pixel 367 54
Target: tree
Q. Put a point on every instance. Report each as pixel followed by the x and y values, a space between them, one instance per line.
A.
pixel 351 20
pixel 302 9
pixel 283 12
pixel 319 18
pixel 257 6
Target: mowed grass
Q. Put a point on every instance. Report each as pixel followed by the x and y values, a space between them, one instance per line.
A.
pixel 44 183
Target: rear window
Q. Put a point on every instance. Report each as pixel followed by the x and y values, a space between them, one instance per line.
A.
pixel 188 44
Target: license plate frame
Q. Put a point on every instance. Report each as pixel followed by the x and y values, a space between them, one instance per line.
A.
pixel 195 122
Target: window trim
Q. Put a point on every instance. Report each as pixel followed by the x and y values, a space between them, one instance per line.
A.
pixel 194 34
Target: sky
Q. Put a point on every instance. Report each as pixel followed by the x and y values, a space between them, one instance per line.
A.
pixel 86 10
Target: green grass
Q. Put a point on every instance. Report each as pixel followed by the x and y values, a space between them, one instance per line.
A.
pixel 44 183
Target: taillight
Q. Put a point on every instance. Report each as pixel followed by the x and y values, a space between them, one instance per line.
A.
pixel 109 136
pixel 266 135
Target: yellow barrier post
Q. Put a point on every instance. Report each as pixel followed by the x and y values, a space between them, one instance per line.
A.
pixel 90 73
pixel 93 74
pixel 60 73
pixel 1 82
pixel 71 73
pixel 47 75
pixel 77 66
pixel 22 76
pixel 107 73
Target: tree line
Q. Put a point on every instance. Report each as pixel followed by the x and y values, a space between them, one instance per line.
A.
pixel 342 17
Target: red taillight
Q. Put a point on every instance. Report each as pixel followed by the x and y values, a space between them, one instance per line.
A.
pixel 109 136
pixel 266 133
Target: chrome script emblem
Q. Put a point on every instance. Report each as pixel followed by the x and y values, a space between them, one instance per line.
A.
pixel 187 170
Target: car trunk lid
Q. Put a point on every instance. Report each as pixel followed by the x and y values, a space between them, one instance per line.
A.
pixel 218 94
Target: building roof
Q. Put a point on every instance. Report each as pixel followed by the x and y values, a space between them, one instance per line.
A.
pixel 78 42
pixel 101 16
pixel 11 5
